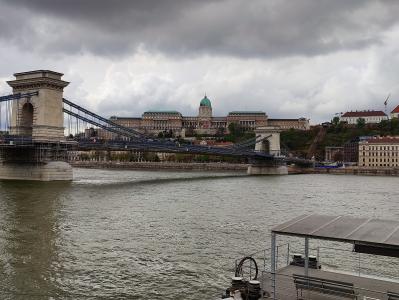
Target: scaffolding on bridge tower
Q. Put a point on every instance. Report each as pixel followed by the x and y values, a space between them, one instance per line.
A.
pixel 16 142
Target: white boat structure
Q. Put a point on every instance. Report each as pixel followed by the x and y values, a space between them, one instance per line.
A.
pixel 285 275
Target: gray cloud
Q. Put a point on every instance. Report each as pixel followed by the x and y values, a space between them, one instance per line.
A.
pixel 255 28
pixel 287 58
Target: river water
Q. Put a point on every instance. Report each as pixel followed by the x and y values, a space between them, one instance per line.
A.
pixel 158 235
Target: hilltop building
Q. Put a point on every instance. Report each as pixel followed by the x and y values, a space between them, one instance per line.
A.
pixel 369 116
pixel 154 122
pixel 395 112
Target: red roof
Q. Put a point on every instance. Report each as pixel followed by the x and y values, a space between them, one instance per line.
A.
pixel 396 110
pixel 384 140
pixel 366 113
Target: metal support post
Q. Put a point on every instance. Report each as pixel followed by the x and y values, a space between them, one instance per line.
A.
pixel 273 265
pixel 306 256
pixel 277 257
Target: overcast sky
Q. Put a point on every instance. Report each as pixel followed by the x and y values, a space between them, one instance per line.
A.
pixel 287 58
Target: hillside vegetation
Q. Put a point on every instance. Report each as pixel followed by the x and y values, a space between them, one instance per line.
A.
pixel 298 142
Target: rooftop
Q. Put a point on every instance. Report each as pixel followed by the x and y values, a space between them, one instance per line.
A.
pixel 205 102
pixel 247 113
pixel 38 72
pixel 365 113
pixel 124 118
pixel 396 110
pixel 169 112
pixel 286 119
pixel 383 140
pixel 370 232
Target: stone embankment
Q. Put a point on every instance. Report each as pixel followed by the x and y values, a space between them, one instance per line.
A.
pixel 225 167
pixel 347 171
pixel 161 166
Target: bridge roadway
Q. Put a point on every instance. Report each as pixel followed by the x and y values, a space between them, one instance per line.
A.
pixel 149 145
pixel 156 146
pixel 174 147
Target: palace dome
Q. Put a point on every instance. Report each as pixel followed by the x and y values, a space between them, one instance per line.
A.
pixel 205 102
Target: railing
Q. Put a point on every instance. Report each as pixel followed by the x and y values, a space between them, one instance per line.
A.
pixel 11 140
pixel 263 256
pixel 332 259
pixel 286 290
pixel 356 263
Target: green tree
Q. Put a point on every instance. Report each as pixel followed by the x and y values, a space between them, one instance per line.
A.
pixel 236 132
pixel 360 123
pixel 236 129
pixel 335 121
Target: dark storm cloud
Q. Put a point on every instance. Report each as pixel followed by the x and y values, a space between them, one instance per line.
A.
pixel 255 28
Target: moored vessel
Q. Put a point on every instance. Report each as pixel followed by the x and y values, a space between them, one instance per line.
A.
pixel 285 273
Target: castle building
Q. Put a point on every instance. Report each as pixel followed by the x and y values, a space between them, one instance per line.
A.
pixel 156 121
pixel 369 116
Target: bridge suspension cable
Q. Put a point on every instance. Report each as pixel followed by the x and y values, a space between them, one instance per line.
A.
pixel 97 124
pixel 7 104
pixel 18 96
pixel 131 133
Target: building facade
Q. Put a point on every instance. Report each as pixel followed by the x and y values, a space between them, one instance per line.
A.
pixel 333 154
pixel 351 149
pixel 369 116
pixel 379 152
pixel 154 122
pixel 285 124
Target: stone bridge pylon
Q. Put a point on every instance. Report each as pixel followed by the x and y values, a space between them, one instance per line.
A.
pixel 37 148
pixel 269 142
pixel 40 117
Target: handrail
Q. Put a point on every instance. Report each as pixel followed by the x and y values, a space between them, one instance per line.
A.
pixel 360 290
pixel 351 264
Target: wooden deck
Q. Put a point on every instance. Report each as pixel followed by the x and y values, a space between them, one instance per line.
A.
pixel 367 288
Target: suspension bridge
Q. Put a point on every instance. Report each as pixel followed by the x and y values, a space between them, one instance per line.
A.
pixel 39 127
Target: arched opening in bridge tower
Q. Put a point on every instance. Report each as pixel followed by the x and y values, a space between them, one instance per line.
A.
pixel 26 119
pixel 266 146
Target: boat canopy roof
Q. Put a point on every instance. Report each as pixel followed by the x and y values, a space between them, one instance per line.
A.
pixel 365 233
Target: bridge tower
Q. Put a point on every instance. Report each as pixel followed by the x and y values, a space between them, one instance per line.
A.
pixel 37 148
pixel 269 142
pixel 40 117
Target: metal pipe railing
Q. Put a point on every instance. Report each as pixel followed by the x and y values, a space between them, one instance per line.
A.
pixel 354 263
pixel 285 289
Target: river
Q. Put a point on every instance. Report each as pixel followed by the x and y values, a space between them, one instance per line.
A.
pixel 158 235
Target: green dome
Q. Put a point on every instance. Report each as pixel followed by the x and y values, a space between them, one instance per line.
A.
pixel 205 102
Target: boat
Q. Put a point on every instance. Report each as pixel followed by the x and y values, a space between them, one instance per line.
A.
pixel 280 273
